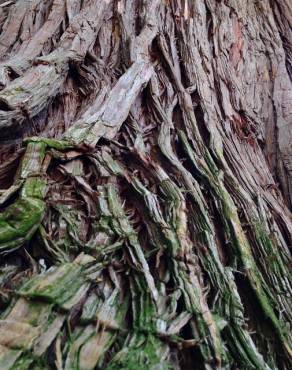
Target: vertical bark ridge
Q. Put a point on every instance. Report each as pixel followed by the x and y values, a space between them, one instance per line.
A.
pixel 142 225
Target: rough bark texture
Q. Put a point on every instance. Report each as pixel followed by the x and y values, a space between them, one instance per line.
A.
pixel 146 180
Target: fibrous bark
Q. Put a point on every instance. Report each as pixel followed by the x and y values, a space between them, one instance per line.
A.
pixel 145 184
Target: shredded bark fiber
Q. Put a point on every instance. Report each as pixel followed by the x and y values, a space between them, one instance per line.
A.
pixel 145 184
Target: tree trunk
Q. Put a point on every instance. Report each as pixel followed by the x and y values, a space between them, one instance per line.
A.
pixel 146 181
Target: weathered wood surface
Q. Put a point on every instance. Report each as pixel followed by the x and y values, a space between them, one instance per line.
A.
pixel 146 181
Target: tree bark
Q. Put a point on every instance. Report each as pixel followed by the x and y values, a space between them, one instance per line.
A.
pixel 146 181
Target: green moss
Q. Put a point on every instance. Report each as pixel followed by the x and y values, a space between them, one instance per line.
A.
pixel 34 187
pixel 24 362
pixel 31 163
pixel 19 221
pixel 58 286
pixel 50 143
pixel 146 353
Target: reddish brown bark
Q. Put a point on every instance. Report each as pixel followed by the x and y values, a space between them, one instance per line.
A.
pixel 146 181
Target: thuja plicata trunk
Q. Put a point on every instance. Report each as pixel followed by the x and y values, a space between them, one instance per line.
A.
pixel 146 182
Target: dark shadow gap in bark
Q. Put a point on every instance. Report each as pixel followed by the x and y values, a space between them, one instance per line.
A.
pixel 257 325
pixel 199 114
pixel 190 358
pixel 4 106
pixel 210 29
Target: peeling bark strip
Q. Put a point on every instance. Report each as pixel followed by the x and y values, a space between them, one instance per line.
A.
pixel 28 51
pixel 146 186
pixel 28 95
